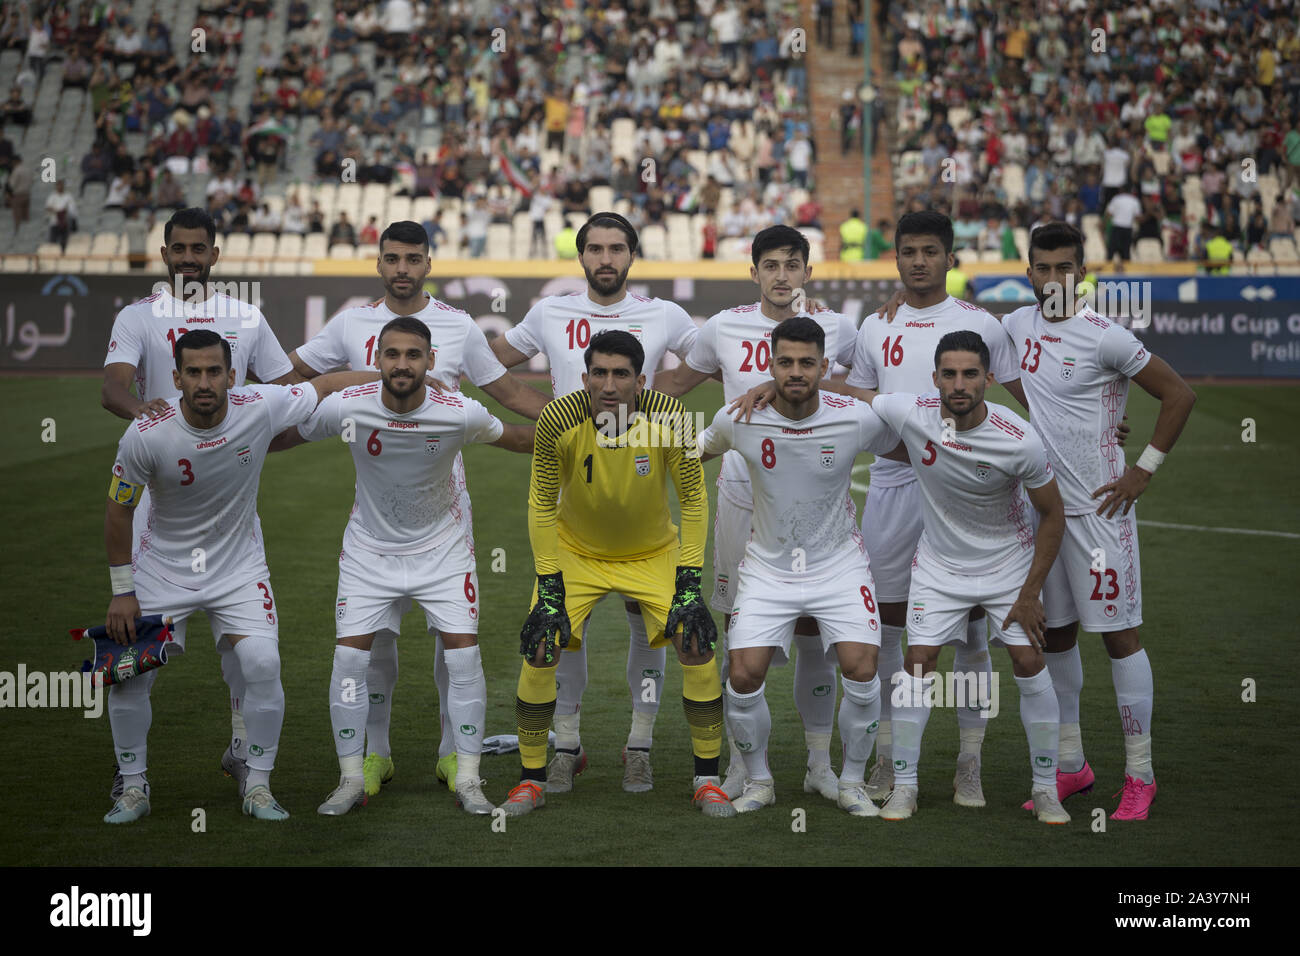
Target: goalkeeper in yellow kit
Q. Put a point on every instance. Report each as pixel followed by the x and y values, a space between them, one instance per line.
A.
pixel 598 521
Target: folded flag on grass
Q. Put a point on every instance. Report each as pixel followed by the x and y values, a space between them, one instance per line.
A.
pixel 114 663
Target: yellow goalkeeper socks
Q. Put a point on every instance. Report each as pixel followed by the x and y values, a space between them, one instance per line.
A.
pixel 534 709
pixel 702 701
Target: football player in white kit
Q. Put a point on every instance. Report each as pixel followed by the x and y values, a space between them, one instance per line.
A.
pixel 1075 368
pixel 141 349
pixel 202 457
pixel 738 343
pixel 896 353
pixel 978 549
pixel 350 338
pixel 561 327
pixel 805 556
pixel 403 543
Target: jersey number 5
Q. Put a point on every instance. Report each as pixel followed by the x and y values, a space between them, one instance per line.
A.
pixel 931 454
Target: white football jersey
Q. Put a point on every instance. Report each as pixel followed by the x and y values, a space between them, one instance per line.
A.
pixel 408 496
pixel 351 338
pixel 804 517
pixel 1075 374
pixel 145 333
pixel 202 522
pixel 739 342
pixel 561 327
pixel 976 513
pixel 898 356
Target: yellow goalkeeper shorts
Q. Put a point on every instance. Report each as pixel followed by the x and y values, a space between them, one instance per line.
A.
pixel 650 582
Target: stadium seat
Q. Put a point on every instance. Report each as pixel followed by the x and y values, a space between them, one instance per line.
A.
pixel 966 257
pixel 398 210
pixel 654 242
pixel 368 251
pixel 1148 250
pixel 343 250
pixel 1258 256
pixel 816 250
pixel 263 246
pixel 238 246
pixel 349 201
pixel 108 244
pixel 499 241
pixel 1283 250
pixel 315 246
pixel 424 208
pixel 289 246
pixel 601 198
pixel 623 140
pixel 327 195
pixel 991 255
pixel 1013 181
pixel 78 244
pixel 1022 241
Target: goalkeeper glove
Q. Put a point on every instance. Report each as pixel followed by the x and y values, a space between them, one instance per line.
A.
pixel 689 612
pixel 547 619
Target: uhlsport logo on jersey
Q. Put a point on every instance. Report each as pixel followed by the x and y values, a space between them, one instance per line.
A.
pixel 1067 369
pixel 828 456
pixel 245 454
pixel 652 672
pixel 643 465
pixel 432 443
pixel 468 729
pixel 982 470
pixel 918 612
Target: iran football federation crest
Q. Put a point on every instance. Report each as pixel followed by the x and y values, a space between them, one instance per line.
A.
pixel 828 456
pixel 431 444
pixel 982 470
pixel 233 339
pixel 1067 369
pixel 245 454
pixel 635 331
pixel 918 613
pixel 643 465
pixel 340 608
pixel 723 582
pixel 127 665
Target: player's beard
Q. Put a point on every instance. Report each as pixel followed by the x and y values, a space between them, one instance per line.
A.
pixel 412 291
pixel 187 282
pixel 974 403
pixel 402 387
pixel 606 284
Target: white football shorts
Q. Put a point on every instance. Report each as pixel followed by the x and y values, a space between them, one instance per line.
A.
pixel 1097 577
pixel 246 609
pixel 939 603
pixel 375 589
pixel 892 523
pixel 768 604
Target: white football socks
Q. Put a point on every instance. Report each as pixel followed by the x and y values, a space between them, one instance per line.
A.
pixel 466 708
pixel 751 725
pixel 1135 695
pixel 1040 716
pixel 570 682
pixel 233 675
pixel 814 697
pixel 1066 668
pixel 859 720
pixel 381 680
pixel 349 700
pixel 645 679
pixel 889 663
pixel 910 715
pixel 259 657
pixel 974 674
pixel 130 714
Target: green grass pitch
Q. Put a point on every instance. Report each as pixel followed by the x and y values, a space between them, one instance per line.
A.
pixel 1220 609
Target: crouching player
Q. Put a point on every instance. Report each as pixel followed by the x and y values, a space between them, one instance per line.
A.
pixel 202 458
pixel 978 549
pixel 805 556
pixel 403 543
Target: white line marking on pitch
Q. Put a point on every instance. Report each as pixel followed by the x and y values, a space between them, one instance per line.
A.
pixel 1201 527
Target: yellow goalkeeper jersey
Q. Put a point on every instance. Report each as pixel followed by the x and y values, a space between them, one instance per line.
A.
pixel 606 497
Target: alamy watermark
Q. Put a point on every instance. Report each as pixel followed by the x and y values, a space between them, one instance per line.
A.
pixel 211 300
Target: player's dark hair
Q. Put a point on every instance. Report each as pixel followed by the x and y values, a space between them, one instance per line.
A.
pixel 191 218
pixel 1056 235
pixel 404 323
pixel 405 230
pixel 607 220
pixel 200 339
pixel 779 237
pixel 616 342
pixel 800 328
pixel 964 341
pixel 924 224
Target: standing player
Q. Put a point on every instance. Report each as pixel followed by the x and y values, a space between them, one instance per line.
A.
pixel 141 349
pixel 978 549
pixel 202 459
pixel 351 338
pixel 1076 369
pixel 738 343
pixel 403 544
pixel 599 522
pixel 805 557
pixel 561 327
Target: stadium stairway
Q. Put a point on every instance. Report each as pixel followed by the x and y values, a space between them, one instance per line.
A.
pixel 830 73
